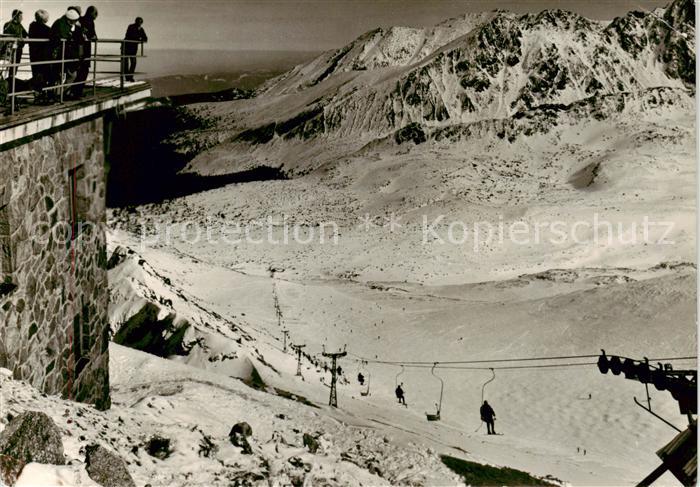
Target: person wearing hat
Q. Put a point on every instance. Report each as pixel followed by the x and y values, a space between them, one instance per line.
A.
pixel 134 32
pixel 14 28
pixel 40 51
pixel 64 32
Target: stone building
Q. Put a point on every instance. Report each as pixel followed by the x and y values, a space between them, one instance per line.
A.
pixel 54 329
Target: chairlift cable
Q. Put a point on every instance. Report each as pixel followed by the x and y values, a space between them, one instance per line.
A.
pixel 451 364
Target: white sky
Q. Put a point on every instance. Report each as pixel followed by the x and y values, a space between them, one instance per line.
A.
pixel 310 25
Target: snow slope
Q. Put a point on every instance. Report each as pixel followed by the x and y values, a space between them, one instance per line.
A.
pixel 154 396
pixel 545 414
pixel 491 119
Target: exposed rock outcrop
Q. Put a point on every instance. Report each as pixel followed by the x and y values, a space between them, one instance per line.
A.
pixel 30 437
pixel 106 467
pixel 159 447
pixel 493 66
pixel 146 332
pixel 239 437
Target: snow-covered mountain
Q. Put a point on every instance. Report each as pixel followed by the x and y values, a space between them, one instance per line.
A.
pixel 493 66
pixel 379 48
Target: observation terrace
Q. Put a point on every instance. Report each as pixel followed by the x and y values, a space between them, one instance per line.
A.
pixel 30 108
pixel 54 157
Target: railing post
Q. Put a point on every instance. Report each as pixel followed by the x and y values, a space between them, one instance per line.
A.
pixel 63 62
pixel 94 69
pixel 13 71
pixel 122 64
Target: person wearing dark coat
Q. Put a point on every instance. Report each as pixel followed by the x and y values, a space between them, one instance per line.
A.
pixel 134 32
pixel 87 22
pixel 87 35
pixel 40 51
pixel 400 394
pixel 488 416
pixel 65 32
pixel 14 28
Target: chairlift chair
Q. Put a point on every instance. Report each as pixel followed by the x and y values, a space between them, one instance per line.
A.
pixel 434 417
pixel 438 406
pixel 483 387
pixel 365 373
pixel 361 373
pixel 396 379
pixel 366 391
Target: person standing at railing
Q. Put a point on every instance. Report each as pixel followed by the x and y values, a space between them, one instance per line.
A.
pixel 134 32
pixel 87 25
pixel 40 52
pixel 64 46
pixel 14 28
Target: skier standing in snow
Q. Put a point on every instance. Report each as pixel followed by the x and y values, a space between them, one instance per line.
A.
pixel 488 416
pixel 400 394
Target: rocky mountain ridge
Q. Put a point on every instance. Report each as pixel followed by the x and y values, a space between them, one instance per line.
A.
pixel 503 65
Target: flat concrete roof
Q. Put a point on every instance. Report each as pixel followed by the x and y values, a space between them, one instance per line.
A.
pixel 32 120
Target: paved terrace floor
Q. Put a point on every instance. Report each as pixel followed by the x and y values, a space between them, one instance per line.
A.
pixel 30 119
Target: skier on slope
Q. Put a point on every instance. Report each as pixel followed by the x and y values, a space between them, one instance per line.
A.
pixel 400 394
pixel 488 416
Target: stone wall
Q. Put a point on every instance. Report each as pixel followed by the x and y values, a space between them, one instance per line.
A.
pixel 53 292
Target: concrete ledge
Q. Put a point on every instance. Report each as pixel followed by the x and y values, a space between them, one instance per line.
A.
pixel 31 121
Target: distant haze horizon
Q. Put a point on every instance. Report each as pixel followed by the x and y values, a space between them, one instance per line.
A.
pixel 206 49
pixel 169 62
pixel 307 25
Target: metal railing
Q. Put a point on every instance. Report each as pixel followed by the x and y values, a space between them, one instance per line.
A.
pixel 59 81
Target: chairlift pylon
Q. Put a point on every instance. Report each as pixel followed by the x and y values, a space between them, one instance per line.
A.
pixel 438 406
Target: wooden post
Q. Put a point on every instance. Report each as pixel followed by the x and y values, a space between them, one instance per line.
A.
pixel 653 476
